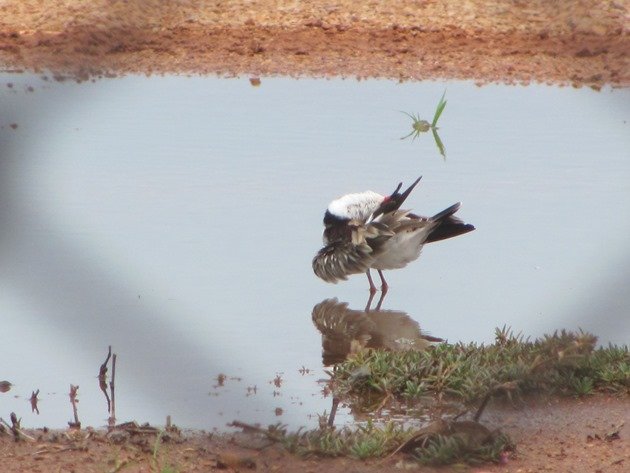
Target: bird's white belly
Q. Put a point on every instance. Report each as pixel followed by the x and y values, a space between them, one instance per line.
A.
pixel 401 249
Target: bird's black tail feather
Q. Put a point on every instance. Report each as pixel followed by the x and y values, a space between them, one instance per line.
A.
pixel 449 226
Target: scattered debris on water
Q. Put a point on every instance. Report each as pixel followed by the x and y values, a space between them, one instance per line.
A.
pixel 33 400
pixel 5 386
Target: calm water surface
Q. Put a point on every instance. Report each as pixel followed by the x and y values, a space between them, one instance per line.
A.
pixel 175 219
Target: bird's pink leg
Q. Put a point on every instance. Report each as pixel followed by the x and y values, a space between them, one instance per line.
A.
pixel 384 286
pixel 380 301
pixel 369 302
pixel 372 286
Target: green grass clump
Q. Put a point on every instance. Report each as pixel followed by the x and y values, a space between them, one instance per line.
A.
pixel 440 443
pixel 563 363
pixel 448 450
pixel 368 441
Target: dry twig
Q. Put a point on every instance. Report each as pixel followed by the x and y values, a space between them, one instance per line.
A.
pixel 18 434
pixel 112 418
pixel 254 428
pixel 73 400
pixel 333 411
pixel 102 378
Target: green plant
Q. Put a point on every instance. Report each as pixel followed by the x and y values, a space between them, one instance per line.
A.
pixel 581 386
pixel 414 390
pixel 367 441
pixel 446 450
pixel 419 125
pixel 367 447
pixel 563 362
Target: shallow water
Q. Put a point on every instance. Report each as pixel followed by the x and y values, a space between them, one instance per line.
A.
pixel 175 218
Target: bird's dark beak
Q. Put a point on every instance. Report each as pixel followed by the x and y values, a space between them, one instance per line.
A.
pixel 405 194
pixel 394 201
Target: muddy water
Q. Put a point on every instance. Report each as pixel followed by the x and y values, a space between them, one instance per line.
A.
pixel 175 218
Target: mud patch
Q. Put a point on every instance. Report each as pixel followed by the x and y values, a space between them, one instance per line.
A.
pixel 558 435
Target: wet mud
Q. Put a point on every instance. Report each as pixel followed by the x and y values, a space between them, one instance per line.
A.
pixel 557 435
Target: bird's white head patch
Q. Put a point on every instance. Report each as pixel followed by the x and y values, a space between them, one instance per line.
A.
pixel 357 206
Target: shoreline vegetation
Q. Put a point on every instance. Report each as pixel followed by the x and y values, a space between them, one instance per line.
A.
pixel 451 381
pixel 444 391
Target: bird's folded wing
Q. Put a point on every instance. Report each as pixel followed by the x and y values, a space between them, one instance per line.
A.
pixel 400 220
pixel 338 260
pixel 332 317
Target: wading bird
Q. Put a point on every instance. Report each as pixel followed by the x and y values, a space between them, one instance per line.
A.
pixel 366 230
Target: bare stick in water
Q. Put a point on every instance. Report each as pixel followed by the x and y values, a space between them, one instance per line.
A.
pixel 102 378
pixel 73 400
pixel 112 417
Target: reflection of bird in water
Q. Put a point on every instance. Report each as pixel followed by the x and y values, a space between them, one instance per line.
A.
pixel 345 331
pixel 367 230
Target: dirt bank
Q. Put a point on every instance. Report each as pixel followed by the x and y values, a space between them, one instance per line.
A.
pixel 587 435
pixel 581 42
